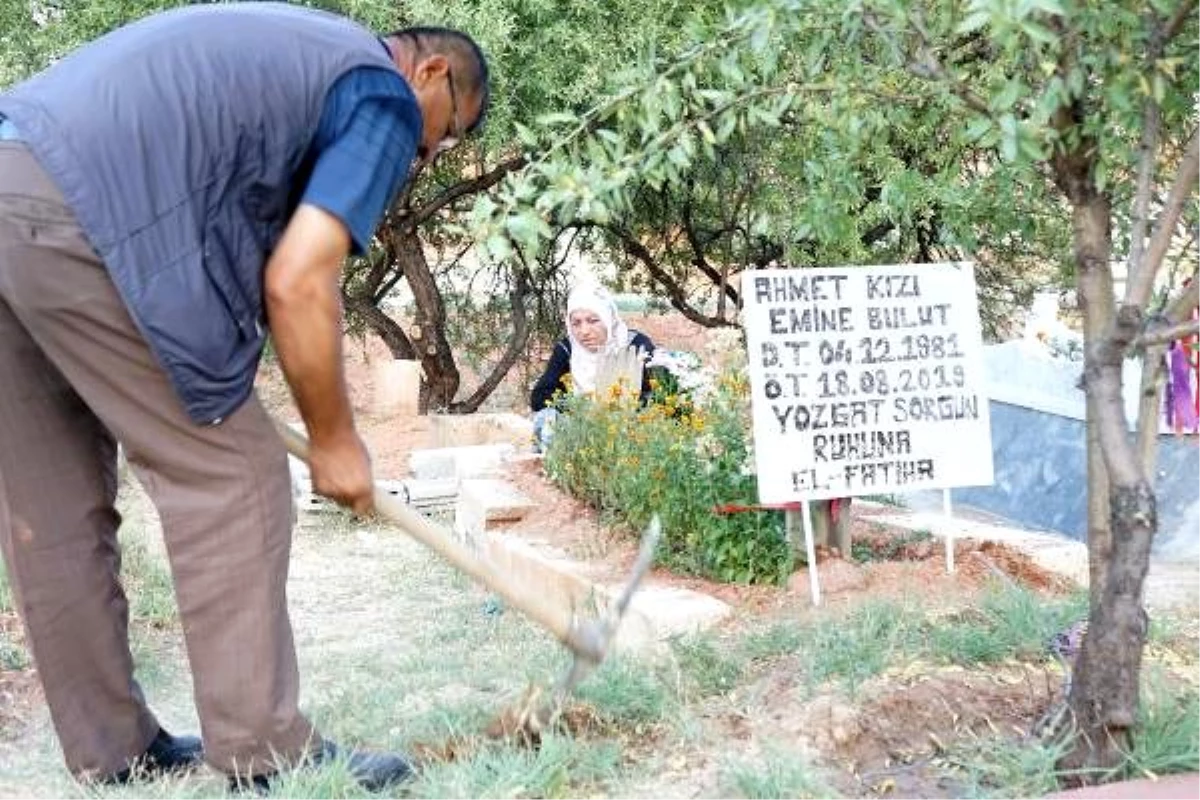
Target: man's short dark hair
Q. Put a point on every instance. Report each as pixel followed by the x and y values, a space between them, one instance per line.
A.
pixel 466 60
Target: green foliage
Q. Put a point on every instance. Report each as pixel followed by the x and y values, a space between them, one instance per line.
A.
pixel 651 129
pixel 707 668
pixel 635 462
pixel 778 774
pixel 821 141
pixel 147 582
pixel 477 327
pixel 818 133
pixel 859 646
pixel 1010 621
pixel 628 692
pixel 6 593
pixel 35 34
pixel 1168 735
pixel 558 767
pixel 1006 767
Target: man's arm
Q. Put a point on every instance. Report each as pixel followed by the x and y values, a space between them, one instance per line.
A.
pixel 304 310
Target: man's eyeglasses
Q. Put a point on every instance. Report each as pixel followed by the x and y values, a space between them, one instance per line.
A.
pixel 454 134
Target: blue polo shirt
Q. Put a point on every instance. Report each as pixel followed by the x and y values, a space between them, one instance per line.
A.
pixel 364 146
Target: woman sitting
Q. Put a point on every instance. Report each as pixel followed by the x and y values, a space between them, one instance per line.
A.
pixel 595 332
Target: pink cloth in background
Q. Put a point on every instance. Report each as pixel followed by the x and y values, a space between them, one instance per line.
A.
pixel 1181 414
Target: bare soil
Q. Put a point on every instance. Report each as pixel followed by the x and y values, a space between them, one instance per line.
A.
pixel 890 740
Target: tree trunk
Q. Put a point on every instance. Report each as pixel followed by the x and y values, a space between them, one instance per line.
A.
pixel 383 326
pixel 1096 293
pixel 1105 689
pixel 516 345
pixel 429 337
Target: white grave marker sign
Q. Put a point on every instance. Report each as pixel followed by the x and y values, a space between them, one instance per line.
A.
pixel 866 380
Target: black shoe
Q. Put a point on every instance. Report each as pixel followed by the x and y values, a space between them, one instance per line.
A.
pixel 166 755
pixel 372 771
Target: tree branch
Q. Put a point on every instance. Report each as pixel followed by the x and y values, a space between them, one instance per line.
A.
pixel 927 66
pixel 1160 336
pixel 1148 148
pixel 1141 283
pixel 1175 24
pixel 675 293
pixel 1141 276
pixel 387 328
pixel 412 218
pixel 516 343
pixel 1180 308
pixel 1149 407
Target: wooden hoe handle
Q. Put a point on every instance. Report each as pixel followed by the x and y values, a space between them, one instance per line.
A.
pixel 589 642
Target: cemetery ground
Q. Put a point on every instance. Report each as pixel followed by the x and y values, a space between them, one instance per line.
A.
pixel 904 682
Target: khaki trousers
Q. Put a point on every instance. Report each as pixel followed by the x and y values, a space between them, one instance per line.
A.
pixel 76 377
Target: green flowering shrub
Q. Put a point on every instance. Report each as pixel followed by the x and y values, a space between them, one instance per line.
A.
pixel 682 457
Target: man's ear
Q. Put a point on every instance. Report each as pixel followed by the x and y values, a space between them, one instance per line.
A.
pixel 431 68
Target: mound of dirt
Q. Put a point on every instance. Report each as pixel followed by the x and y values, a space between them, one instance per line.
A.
pixel 975 561
pixel 892 739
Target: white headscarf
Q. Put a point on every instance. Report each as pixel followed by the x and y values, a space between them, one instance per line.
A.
pixel 585 363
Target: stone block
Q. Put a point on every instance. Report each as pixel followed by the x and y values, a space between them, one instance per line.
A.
pixel 477 461
pixel 396 387
pixel 464 430
pixel 428 496
pixel 470 520
pixel 659 613
pixel 498 500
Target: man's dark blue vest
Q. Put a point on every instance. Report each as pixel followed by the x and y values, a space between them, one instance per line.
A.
pixel 177 141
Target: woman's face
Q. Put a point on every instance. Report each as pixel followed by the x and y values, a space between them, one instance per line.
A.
pixel 588 329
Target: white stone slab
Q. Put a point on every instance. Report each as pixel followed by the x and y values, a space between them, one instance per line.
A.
pixel 499 500
pixel 659 613
pixel 478 461
pixel 460 430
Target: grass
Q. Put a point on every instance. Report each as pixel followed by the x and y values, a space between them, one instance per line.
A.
pixel 560 767
pixel 1166 741
pixel 779 639
pixel 848 648
pixel 147 581
pixel 1008 622
pixel 13 655
pixel 6 595
pixel 630 693
pixel 776 775
pixel 707 667
pixel 863 644
pixel 863 552
pixel 397 649
pixel 1005 767
pixel 1168 736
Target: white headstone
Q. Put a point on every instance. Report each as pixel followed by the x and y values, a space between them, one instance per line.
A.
pixel 866 380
